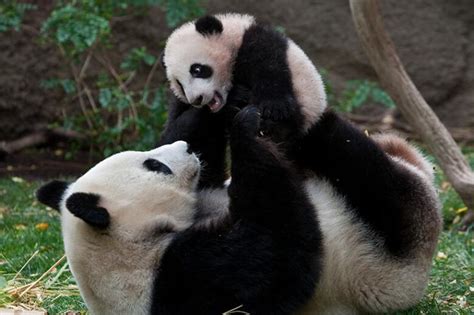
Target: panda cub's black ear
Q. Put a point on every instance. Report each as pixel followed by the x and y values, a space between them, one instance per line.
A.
pixel 85 206
pixel 209 25
pixel 51 193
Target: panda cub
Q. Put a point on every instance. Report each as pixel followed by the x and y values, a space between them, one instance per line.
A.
pixel 142 239
pixel 229 58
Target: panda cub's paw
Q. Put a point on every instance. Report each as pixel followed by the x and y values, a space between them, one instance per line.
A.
pixel 278 109
pixel 247 121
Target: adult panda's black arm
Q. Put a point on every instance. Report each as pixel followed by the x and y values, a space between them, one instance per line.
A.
pixel 266 258
pixel 206 134
pixel 382 193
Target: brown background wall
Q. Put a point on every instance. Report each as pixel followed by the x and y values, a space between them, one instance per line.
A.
pixel 435 40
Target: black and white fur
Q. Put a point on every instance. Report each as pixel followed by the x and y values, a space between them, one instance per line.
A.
pixel 230 58
pixel 374 196
pixel 374 199
pixel 140 239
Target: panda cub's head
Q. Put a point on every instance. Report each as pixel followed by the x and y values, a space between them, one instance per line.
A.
pixel 130 193
pixel 199 57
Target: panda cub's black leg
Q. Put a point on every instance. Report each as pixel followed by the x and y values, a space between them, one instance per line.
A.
pixel 378 191
pixel 205 132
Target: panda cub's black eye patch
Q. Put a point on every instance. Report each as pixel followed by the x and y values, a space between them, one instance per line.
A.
pixel 156 166
pixel 198 70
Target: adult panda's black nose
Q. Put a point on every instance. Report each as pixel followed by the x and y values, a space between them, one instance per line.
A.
pixel 189 150
pixel 198 100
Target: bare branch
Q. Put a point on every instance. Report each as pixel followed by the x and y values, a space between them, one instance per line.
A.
pixel 393 77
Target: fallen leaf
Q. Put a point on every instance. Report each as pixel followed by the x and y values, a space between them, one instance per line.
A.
pixel 18 180
pixel 445 185
pixel 457 219
pixel 441 255
pixel 20 227
pixel 461 210
pixel 43 226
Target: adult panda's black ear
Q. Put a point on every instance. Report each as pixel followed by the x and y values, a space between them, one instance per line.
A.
pixel 51 193
pixel 85 206
pixel 209 25
pixel 162 59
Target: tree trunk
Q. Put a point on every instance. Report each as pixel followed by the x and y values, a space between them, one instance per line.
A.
pixel 393 77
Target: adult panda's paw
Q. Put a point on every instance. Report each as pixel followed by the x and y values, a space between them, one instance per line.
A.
pixel 247 122
pixel 278 109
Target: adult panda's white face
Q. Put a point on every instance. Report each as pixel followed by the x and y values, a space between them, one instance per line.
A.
pixel 132 193
pixel 118 219
pixel 199 57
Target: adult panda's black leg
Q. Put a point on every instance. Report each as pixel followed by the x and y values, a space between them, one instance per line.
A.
pixel 266 194
pixel 266 258
pixel 384 194
pixel 206 134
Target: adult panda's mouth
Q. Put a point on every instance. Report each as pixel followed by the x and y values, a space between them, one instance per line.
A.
pixel 216 103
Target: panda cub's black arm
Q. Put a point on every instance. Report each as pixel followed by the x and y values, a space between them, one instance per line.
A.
pixel 206 134
pixel 265 259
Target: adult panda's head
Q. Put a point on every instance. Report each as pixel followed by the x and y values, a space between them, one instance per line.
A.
pixel 199 57
pixel 118 219
pixel 130 193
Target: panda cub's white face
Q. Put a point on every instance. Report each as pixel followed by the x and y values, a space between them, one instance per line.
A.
pixel 199 66
pixel 198 69
pixel 142 189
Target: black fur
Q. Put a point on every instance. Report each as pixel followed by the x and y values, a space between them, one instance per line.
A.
pixel 262 67
pixel 208 25
pixel 206 135
pixel 381 193
pixel 85 206
pixel 51 193
pixel 262 78
pixel 267 259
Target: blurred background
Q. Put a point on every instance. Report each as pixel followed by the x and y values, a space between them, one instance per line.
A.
pixel 80 80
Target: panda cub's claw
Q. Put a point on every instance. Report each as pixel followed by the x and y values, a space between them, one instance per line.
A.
pixel 247 121
pixel 278 109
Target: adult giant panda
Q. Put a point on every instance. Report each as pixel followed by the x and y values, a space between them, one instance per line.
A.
pixel 140 239
pixel 374 200
pixel 374 197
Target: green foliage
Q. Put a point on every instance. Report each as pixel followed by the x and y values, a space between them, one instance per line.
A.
pixel 356 94
pixel 115 111
pixel 67 85
pixel 12 13
pixel 75 29
pixel 136 57
pixel 178 11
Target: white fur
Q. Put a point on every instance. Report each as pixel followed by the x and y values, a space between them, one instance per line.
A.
pixel 185 46
pixel 308 85
pixel 115 268
pixel 358 276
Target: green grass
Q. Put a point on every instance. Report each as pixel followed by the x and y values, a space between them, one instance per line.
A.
pixel 451 288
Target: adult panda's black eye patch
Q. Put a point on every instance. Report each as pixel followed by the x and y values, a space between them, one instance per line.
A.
pixel 200 71
pixel 156 166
